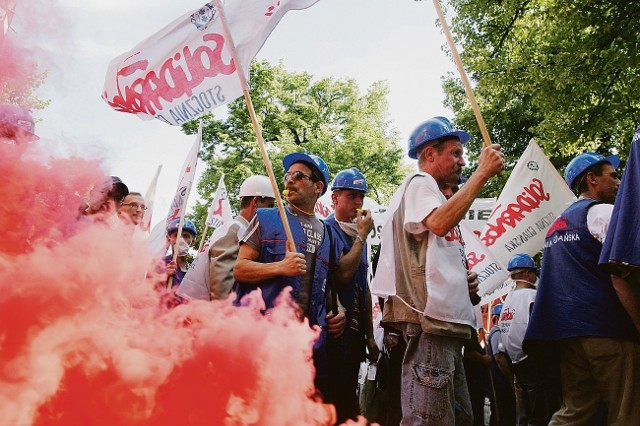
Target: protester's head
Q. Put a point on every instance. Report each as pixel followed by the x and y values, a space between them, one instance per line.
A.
pixel 437 146
pixel 523 268
pixel 106 198
pixel 16 124
pixel 348 190
pixel 132 208
pixel 306 178
pixel 495 313
pixel 594 175
pixel 255 192
pixel 189 234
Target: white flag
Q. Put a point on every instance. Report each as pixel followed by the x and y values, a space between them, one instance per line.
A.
pixel 220 208
pixel 491 272
pixel 157 241
pixel 532 198
pixel 149 200
pixel 186 69
pixel 186 178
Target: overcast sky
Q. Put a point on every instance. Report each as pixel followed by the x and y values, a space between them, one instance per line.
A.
pixel 369 40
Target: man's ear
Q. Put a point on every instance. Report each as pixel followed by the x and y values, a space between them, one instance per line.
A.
pixel 318 188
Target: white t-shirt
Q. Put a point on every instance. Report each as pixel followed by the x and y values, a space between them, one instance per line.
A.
pixel 514 319
pixel 446 263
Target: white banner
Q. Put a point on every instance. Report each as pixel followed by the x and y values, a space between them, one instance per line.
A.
pixel 186 69
pixel 220 209
pixel 186 178
pixel 491 272
pixel 532 198
pixel 149 200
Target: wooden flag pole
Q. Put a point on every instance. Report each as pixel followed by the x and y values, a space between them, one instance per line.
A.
pixel 256 126
pixel 179 235
pixel 183 212
pixel 204 234
pixel 463 75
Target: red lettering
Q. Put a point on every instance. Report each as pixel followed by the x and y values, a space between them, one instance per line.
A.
pixel 177 76
pixel 507 314
pixel 527 201
pixel 473 259
pixel 455 235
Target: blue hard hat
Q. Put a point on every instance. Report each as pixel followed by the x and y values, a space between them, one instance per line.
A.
pixel 312 161
pixel 187 226
pixel 431 130
pixel 521 261
pixel 350 179
pixel 496 309
pixel 582 162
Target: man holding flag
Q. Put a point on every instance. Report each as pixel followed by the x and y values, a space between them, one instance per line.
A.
pixel 423 258
pixel 211 275
pixel 265 262
pixel 577 307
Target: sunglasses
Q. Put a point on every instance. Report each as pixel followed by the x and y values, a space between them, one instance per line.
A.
pixel 296 176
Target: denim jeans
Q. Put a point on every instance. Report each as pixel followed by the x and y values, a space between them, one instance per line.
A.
pixel 434 387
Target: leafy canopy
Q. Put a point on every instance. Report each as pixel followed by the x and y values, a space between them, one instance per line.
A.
pixel 326 117
pixel 562 72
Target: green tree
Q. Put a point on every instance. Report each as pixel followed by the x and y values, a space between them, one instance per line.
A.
pixel 562 72
pixel 326 117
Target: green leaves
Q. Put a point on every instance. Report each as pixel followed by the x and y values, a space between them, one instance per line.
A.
pixel 327 117
pixel 563 72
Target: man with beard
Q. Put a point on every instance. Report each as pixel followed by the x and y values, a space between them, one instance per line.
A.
pixel 265 262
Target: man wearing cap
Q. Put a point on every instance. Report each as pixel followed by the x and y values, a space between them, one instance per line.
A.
pixel 211 275
pixel 176 270
pixel 536 377
pixel 265 261
pixel 577 312
pixel 351 225
pixel 423 259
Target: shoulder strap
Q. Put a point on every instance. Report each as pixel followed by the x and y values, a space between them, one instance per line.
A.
pixel 332 295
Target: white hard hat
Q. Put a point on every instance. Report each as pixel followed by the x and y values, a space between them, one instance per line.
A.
pixel 256 186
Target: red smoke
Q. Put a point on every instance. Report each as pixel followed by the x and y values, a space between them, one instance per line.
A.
pixel 83 338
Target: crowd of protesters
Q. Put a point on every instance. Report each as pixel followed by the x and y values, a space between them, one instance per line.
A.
pixel 564 346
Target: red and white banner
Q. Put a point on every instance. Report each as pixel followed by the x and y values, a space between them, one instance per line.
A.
pixel 186 68
pixel 532 198
pixel 220 209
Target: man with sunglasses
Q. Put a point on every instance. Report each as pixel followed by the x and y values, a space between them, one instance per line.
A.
pixel 265 262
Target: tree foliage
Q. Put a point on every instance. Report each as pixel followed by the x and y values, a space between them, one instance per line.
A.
pixel 562 72
pixel 325 116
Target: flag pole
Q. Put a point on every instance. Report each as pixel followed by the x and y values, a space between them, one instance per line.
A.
pixel 183 212
pixel 256 125
pixel 463 75
pixel 204 234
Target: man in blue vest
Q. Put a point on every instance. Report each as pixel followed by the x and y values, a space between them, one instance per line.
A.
pixel 577 307
pixel 265 262
pixel 350 225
